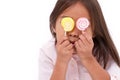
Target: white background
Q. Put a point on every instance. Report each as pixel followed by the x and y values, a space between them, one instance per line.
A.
pixel 24 28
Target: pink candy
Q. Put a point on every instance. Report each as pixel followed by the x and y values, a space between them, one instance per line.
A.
pixel 82 23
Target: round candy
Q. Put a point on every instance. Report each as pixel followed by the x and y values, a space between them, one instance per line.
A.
pixel 67 24
pixel 82 23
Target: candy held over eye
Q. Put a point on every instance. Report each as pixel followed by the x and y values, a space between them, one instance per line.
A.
pixel 67 24
pixel 82 23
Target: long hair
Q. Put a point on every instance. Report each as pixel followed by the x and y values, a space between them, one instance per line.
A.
pixel 103 44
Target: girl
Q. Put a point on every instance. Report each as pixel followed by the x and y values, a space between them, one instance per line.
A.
pixel 80 55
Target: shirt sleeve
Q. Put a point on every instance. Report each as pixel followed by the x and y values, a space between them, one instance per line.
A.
pixel 45 66
pixel 114 71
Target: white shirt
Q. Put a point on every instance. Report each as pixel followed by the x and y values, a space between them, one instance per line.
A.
pixel 76 71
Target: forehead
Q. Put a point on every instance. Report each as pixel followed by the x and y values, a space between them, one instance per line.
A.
pixel 76 11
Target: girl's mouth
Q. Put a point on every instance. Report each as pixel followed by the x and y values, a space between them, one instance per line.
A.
pixel 73 40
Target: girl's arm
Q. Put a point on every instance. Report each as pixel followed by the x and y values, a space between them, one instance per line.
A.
pixel 84 47
pixel 59 72
pixel 64 53
pixel 95 70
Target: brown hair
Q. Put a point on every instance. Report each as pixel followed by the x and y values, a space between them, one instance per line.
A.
pixel 103 44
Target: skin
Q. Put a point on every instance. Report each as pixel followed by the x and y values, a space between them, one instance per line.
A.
pixel 82 46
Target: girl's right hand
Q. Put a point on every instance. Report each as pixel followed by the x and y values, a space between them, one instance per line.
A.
pixel 64 50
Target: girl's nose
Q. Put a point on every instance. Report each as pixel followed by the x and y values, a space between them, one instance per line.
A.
pixel 74 33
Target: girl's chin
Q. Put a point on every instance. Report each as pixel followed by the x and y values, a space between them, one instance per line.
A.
pixel 74 51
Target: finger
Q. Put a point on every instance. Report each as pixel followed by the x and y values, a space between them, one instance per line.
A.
pixel 83 39
pixel 65 43
pixel 88 37
pixel 70 46
pixel 81 44
pixel 77 45
pixel 62 40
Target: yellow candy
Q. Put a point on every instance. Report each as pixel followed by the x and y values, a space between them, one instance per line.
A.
pixel 67 24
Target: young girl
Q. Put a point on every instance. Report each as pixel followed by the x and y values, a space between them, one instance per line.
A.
pixel 87 54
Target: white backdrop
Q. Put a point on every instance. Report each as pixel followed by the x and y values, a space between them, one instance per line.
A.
pixel 24 28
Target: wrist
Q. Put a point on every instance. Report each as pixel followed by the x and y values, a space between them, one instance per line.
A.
pixel 62 63
pixel 89 61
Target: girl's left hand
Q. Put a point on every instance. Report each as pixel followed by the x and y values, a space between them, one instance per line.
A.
pixel 84 46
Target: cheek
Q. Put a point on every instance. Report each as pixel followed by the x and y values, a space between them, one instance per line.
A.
pixel 59 31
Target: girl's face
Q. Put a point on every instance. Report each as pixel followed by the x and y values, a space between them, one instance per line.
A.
pixel 75 12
